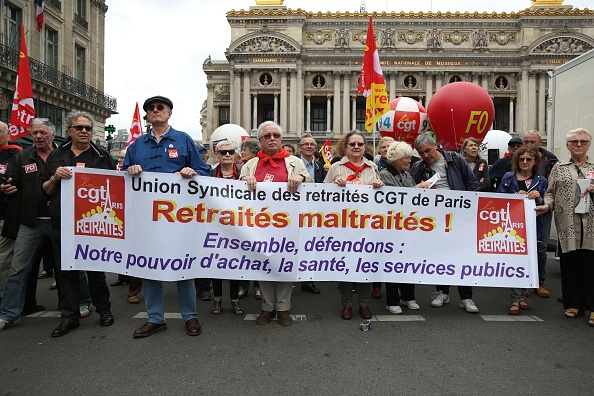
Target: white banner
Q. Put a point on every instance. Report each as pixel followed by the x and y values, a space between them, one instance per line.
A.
pixel 161 226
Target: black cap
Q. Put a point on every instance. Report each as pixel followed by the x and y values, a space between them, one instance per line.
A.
pixel 158 98
pixel 201 149
pixel 515 140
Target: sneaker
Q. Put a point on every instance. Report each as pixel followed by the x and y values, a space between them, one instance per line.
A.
pixel 542 291
pixel 265 317
pixel 204 295
pixel 411 304
pixel 284 318
pixel 5 324
pixel 469 306
pixel 85 311
pixel 439 298
pixel 394 309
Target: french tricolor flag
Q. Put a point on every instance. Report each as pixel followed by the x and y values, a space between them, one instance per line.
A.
pixel 39 13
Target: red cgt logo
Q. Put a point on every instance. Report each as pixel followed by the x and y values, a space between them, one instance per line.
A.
pixel 501 227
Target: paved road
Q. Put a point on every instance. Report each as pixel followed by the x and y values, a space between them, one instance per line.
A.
pixel 436 351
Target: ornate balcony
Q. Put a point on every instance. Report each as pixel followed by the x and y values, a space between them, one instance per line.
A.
pixel 80 20
pixel 57 4
pixel 9 58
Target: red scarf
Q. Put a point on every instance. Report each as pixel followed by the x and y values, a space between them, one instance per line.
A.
pixel 356 169
pixel 11 146
pixel 282 154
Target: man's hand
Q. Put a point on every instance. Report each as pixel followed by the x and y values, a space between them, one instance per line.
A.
pixel 294 182
pixel 251 182
pixel 542 209
pixel 7 188
pixel 134 170
pixel 187 172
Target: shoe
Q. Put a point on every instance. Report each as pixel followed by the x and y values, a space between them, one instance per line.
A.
pixel 53 286
pixel 106 318
pixel 133 300
pixel 216 307
pixel 45 274
pixel 242 294
pixel 591 320
pixel 524 305
pixel 542 291
pixel 5 324
pixel 394 309
pixel 265 317
pixel 573 313
pixel 149 328
pixel 310 288
pixel 439 298
pixel 411 304
pixel 514 309
pixel 376 293
pixel 258 294
pixel 204 295
pixel 284 318
pixel 237 308
pixel 365 312
pixel 85 311
pixel 193 327
pixel 468 305
pixel 32 310
pixel 119 283
pixel 64 328
pixel 347 312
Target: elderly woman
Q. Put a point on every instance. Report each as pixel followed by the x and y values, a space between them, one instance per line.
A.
pixel 226 169
pixel 354 168
pixel 397 174
pixel 524 179
pixel 575 224
pixel 480 168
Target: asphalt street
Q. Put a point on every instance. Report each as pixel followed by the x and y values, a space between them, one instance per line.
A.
pixel 433 351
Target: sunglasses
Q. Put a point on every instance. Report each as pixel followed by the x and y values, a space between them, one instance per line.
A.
pixel 580 142
pixel 152 107
pixel 225 152
pixel 79 128
pixel 271 135
pixel 525 159
pixel 356 144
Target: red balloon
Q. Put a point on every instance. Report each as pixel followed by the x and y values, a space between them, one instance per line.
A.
pixel 458 111
pixel 405 121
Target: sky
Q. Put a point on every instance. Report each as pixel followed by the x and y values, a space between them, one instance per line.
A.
pixel 156 48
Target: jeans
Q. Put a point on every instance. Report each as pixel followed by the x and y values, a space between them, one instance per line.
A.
pixel 155 302
pixel 28 241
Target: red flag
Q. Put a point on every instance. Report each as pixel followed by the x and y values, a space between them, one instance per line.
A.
pixel 372 84
pixel 23 110
pixel 136 128
pixel 326 152
pixel 40 6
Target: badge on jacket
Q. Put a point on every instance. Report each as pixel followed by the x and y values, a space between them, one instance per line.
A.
pixel 30 168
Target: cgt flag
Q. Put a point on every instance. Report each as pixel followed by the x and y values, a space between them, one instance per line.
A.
pixel 135 128
pixel 372 84
pixel 23 109
pixel 326 152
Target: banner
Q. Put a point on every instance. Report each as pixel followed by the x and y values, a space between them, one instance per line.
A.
pixel 161 226
pixel 23 109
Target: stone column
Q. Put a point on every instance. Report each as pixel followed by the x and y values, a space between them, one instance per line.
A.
pixel 531 101
pixel 275 95
pixel 354 113
pixel 283 100
pixel 524 98
pixel 542 76
pixel 346 97
pixel 336 112
pixel 233 95
pixel 236 99
pixel 299 102
pixel 428 87
pixel 438 79
pixel 308 115
pixel 293 114
pixel 328 113
pixel 511 113
pixel 255 114
pixel 210 113
pixel 485 80
pixel 393 77
pixel 246 118
pixel 475 77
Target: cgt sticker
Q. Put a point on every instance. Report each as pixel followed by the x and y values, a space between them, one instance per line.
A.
pixel 500 226
pixel 99 205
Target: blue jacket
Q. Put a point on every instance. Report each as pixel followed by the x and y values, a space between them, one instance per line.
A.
pixel 509 185
pixel 175 151
pixel 459 178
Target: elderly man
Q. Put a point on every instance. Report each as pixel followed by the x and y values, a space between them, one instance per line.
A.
pixel 503 165
pixel 455 174
pixel 164 149
pixel 77 151
pixel 274 164
pixel 307 150
pixel 23 185
pixel 532 139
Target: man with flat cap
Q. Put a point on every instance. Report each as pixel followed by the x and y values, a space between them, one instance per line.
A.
pixel 164 149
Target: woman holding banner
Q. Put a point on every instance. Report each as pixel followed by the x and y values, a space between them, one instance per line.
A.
pixel 569 196
pixel 354 168
pixel 397 174
pixel 524 179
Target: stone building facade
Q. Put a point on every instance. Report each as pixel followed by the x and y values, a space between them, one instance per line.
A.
pixel 301 69
pixel 66 59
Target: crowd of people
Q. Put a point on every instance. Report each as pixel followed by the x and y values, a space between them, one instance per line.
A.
pixel 30 182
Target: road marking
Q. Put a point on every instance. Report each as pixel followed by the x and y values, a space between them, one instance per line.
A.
pixel 511 318
pixel 398 318
pixel 301 318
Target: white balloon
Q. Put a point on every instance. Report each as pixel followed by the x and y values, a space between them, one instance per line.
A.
pixel 494 139
pixel 230 132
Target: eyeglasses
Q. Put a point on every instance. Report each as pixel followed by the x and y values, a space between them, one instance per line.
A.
pixel 576 142
pixel 271 135
pixel 225 152
pixel 525 159
pixel 152 107
pixel 308 144
pixel 79 128
pixel 356 144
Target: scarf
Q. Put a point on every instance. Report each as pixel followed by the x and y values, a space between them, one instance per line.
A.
pixel 282 154
pixel 356 169
pixel 220 172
